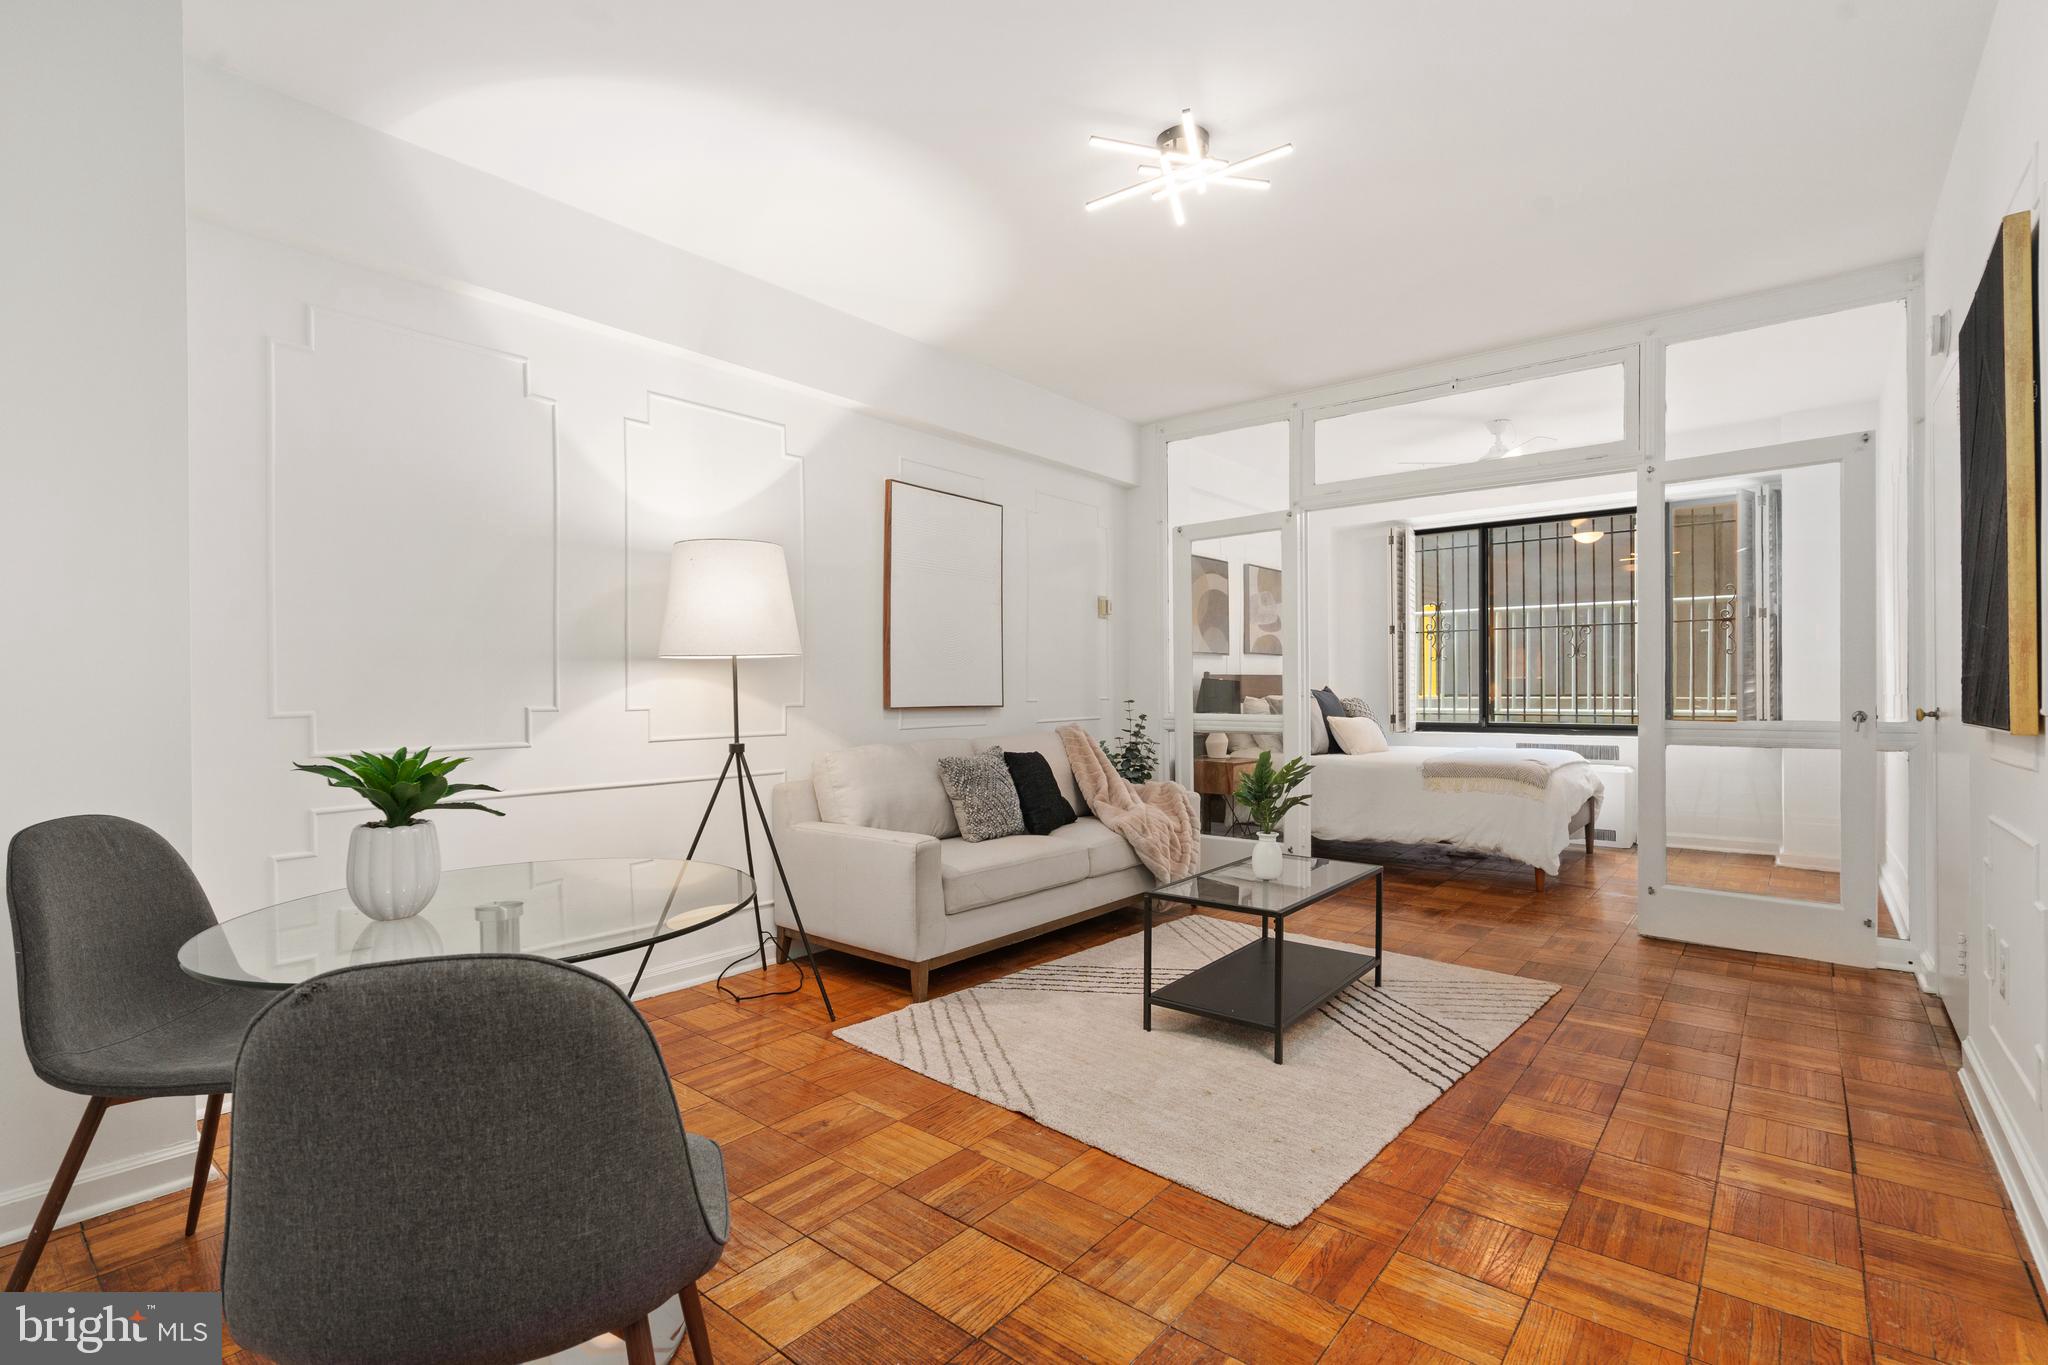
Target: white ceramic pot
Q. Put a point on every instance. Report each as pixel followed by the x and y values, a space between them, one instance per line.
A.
pixel 1267 857
pixel 1217 744
pixel 393 873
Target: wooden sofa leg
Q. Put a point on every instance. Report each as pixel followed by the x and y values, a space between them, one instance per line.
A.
pixel 1541 880
pixel 920 982
pixel 782 942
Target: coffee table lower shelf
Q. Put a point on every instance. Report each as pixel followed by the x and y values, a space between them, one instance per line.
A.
pixel 1240 987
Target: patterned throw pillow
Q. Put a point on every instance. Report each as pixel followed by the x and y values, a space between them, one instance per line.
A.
pixel 1359 706
pixel 1038 792
pixel 983 796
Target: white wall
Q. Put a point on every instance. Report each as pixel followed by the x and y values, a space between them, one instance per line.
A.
pixel 338 370
pixel 1995 170
pixel 92 527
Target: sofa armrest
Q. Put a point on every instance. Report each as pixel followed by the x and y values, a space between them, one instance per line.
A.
pixel 876 889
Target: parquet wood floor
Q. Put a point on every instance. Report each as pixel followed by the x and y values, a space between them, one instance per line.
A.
pixel 1688 1155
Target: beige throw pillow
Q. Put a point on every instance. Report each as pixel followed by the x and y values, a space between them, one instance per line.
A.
pixel 1358 734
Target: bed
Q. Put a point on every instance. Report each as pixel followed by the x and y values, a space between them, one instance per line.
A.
pixel 1387 798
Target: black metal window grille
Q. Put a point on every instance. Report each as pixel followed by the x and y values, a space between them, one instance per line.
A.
pixel 1706 605
pixel 1528 624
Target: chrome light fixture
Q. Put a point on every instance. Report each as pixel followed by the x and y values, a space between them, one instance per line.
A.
pixel 1178 164
pixel 1585 532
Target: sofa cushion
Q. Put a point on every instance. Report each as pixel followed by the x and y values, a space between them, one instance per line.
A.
pixel 995 870
pixel 888 786
pixel 1108 851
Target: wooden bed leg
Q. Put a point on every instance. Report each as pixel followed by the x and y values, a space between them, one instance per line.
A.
pixel 1589 830
pixel 1541 880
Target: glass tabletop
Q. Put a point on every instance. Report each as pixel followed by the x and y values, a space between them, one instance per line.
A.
pixel 1302 882
pixel 569 910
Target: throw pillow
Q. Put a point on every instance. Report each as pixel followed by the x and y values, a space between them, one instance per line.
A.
pixel 1358 735
pixel 983 796
pixel 1319 730
pixel 1358 706
pixel 1038 792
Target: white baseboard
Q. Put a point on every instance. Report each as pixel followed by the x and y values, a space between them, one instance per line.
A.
pixel 1707 843
pixel 102 1188
pixel 664 977
pixel 2016 1165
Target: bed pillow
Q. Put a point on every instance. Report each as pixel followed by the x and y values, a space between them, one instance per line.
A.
pixel 1319 732
pixel 1358 735
pixel 1358 706
pixel 983 796
pixel 1242 740
pixel 1038 792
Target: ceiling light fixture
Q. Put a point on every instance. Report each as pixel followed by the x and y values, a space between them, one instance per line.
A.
pixel 1585 532
pixel 1178 164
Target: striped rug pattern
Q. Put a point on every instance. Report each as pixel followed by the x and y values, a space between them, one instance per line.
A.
pixel 1198 1101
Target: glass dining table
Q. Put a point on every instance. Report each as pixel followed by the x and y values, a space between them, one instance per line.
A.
pixel 572 910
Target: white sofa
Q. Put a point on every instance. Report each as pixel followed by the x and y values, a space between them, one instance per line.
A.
pixel 874 858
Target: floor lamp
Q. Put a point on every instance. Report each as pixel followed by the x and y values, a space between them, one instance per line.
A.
pixel 730 599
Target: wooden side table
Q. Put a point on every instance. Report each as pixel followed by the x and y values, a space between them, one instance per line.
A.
pixel 1216 784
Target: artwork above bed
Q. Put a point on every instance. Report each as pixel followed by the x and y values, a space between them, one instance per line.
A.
pixel 1209 604
pixel 1261 609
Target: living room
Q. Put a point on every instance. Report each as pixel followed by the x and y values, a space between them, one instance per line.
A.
pixel 713 433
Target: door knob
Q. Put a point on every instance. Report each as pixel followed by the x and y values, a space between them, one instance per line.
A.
pixel 1859 717
pixel 1927 713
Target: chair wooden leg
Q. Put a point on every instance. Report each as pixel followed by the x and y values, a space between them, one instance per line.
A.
pixel 693 1318
pixel 60 1190
pixel 209 1128
pixel 639 1343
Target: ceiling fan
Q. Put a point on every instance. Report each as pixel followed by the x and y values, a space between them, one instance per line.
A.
pixel 1501 449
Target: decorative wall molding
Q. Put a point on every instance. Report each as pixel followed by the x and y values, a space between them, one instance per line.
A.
pixel 313 814
pixel 2006 1137
pixel 309 716
pixel 799 556
pixel 1050 512
pixel 105 1186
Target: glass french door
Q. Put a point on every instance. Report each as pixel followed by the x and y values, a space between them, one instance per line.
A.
pixel 1759 740
pixel 1238 686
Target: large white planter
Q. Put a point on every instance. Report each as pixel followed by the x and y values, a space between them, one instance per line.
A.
pixel 393 873
pixel 1268 858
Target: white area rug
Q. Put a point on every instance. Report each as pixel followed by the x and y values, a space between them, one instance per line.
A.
pixel 1199 1101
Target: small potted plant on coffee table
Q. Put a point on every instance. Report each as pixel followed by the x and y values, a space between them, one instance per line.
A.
pixel 394 864
pixel 1266 794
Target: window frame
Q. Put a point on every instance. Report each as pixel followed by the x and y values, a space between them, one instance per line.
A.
pixel 1486 723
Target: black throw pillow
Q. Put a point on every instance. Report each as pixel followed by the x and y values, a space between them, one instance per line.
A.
pixel 1038 792
pixel 1330 704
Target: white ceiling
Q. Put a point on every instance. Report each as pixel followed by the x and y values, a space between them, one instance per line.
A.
pixel 1465 175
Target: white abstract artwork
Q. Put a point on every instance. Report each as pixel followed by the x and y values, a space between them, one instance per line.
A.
pixel 942 591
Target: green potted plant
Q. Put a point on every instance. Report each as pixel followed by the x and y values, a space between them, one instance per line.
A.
pixel 1266 794
pixel 394 864
pixel 1134 753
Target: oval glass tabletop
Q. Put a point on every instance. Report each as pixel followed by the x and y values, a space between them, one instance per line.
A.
pixel 570 910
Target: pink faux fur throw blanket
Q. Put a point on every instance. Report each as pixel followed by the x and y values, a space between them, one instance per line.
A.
pixel 1157 820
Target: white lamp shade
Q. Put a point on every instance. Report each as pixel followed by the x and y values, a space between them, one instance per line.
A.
pixel 727 598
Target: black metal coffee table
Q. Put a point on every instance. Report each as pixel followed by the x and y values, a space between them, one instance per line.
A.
pixel 1266 984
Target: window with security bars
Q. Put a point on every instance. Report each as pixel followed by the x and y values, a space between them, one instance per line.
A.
pixel 1527 624
pixel 1724 590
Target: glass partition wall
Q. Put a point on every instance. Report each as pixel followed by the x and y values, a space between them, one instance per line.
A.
pixel 1662 545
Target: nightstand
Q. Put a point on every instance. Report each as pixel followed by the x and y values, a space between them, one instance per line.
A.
pixel 1216 784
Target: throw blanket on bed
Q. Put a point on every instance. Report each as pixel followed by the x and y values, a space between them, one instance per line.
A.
pixel 1508 772
pixel 1156 820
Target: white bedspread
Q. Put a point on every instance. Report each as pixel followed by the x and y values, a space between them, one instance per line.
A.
pixel 1382 797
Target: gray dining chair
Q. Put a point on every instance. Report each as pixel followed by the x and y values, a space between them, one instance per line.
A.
pixel 100 906
pixel 461 1161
